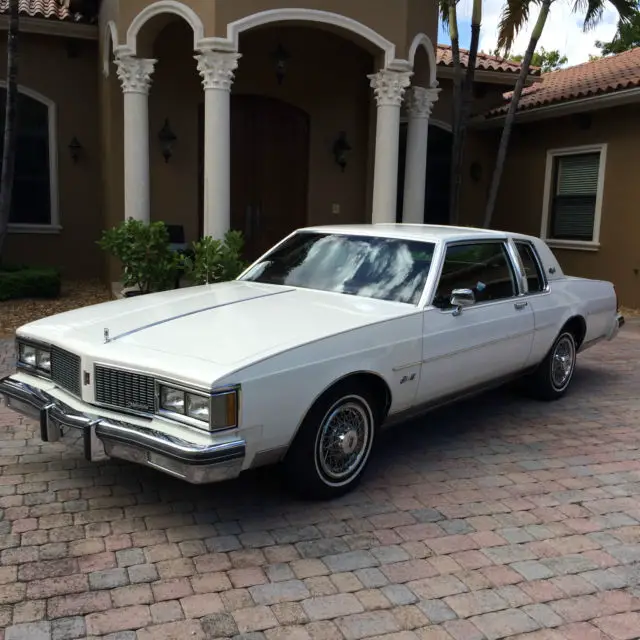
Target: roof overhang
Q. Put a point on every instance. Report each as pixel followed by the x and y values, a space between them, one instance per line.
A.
pixel 49 27
pixel 490 77
pixel 580 105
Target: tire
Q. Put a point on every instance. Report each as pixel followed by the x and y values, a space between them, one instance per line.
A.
pixel 553 377
pixel 308 470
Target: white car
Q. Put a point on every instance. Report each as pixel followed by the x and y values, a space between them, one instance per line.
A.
pixel 333 334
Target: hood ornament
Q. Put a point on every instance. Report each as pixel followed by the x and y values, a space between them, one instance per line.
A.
pixel 106 335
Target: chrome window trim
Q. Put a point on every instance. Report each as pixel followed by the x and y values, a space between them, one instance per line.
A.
pixel 547 288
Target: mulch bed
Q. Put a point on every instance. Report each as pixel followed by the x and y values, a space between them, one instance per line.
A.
pixel 15 313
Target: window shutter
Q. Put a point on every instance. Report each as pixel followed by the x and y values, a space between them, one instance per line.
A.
pixel 574 203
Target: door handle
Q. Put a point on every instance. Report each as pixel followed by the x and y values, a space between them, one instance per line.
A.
pixel 520 305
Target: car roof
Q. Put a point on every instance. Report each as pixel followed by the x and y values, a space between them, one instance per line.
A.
pixel 424 232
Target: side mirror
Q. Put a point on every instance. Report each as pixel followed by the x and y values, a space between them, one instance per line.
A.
pixel 461 298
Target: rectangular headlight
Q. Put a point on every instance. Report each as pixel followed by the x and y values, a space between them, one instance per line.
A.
pixel 219 411
pixel 34 357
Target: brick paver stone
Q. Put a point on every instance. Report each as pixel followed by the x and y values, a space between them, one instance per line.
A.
pixel 506 517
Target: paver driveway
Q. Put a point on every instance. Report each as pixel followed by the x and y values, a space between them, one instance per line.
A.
pixel 494 518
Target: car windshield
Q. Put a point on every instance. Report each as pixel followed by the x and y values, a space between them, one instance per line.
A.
pixel 372 267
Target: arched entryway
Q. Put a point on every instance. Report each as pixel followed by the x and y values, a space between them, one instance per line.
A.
pixel 436 208
pixel 269 169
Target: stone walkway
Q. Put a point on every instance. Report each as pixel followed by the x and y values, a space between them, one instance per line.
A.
pixel 498 518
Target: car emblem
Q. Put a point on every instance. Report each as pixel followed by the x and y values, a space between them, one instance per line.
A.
pixel 106 335
pixel 137 406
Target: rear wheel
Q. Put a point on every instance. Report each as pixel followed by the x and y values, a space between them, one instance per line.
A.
pixel 333 446
pixel 552 378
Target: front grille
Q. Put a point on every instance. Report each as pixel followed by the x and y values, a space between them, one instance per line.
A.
pixel 65 370
pixel 125 390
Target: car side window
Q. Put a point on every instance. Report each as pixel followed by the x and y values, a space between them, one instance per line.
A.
pixel 531 266
pixel 483 267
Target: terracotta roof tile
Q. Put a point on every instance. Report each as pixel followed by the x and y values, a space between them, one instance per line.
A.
pixel 54 9
pixel 484 61
pixel 606 75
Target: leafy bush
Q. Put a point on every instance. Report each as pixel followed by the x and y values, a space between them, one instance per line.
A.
pixel 215 260
pixel 143 249
pixel 28 282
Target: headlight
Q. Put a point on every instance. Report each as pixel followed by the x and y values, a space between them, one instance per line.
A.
pixel 172 399
pixel 34 357
pixel 43 360
pixel 219 411
pixel 28 355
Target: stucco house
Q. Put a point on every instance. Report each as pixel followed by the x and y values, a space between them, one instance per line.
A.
pixel 573 169
pixel 254 115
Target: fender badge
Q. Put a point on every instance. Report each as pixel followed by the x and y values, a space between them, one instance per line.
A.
pixel 106 335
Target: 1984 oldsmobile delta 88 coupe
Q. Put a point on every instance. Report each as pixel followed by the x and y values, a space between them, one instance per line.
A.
pixel 331 335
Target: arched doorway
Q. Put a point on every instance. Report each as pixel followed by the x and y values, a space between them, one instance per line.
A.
pixel 436 208
pixel 269 169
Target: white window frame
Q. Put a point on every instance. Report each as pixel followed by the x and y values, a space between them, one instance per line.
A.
pixel 552 154
pixel 54 224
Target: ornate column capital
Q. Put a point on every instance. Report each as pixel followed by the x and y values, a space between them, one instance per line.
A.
pixel 420 101
pixel 389 86
pixel 135 73
pixel 217 69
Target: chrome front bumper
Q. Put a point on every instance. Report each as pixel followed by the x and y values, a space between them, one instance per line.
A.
pixel 104 437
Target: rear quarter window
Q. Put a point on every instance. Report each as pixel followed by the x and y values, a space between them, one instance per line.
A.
pixel 531 264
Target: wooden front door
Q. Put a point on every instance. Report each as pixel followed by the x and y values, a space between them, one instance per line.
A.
pixel 269 170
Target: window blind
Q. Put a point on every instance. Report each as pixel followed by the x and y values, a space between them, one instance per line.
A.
pixel 574 201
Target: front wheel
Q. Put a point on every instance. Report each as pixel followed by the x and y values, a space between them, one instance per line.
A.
pixel 332 448
pixel 552 378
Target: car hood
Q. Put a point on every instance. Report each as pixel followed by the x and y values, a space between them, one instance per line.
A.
pixel 228 324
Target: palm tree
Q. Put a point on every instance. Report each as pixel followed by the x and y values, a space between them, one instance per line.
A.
pixel 514 16
pixel 448 14
pixel 462 96
pixel 10 121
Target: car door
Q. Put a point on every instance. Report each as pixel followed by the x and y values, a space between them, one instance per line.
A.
pixel 464 349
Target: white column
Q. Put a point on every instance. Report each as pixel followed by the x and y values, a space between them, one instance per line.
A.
pixel 389 87
pixel 419 103
pixel 135 77
pixel 217 70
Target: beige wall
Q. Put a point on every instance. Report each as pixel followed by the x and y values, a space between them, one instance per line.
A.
pixel 521 195
pixel 70 81
pixel 326 78
pixel 397 20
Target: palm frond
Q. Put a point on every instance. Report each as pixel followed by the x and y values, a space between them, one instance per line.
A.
pixel 443 10
pixel 514 16
pixel 626 9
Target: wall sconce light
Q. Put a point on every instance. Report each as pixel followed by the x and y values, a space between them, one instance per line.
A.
pixel 75 149
pixel 167 140
pixel 280 57
pixel 340 149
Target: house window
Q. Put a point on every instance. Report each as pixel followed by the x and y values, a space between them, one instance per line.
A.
pixel 31 201
pixel 574 195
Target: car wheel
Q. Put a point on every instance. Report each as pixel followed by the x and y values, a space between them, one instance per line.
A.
pixel 552 378
pixel 333 445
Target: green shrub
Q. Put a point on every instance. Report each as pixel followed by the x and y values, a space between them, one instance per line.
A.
pixel 28 282
pixel 215 260
pixel 143 249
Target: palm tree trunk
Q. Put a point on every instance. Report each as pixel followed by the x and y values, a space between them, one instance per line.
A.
pixel 466 102
pixel 511 114
pixel 10 122
pixel 457 95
